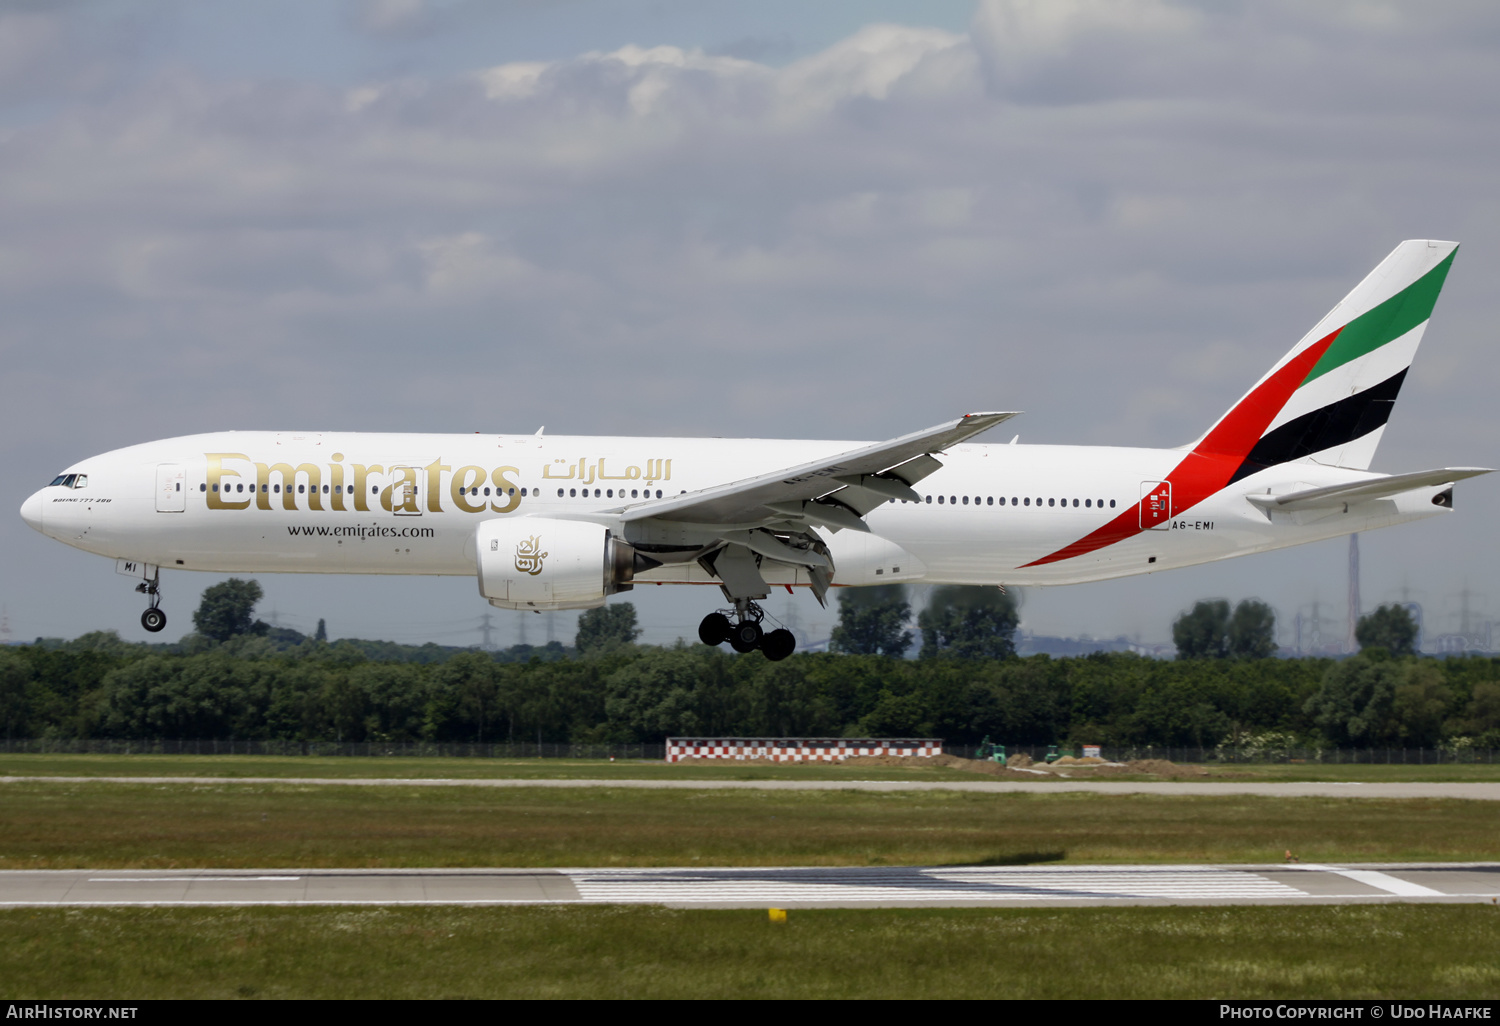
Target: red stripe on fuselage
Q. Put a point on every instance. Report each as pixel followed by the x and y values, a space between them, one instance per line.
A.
pixel 1210 466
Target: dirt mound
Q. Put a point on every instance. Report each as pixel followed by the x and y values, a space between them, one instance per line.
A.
pixel 989 769
pixel 1019 761
pixel 1163 768
pixel 1144 767
pixel 1068 760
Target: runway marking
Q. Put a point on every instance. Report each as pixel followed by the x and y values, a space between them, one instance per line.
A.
pixel 184 879
pixel 1381 881
pixel 775 887
pixel 928 885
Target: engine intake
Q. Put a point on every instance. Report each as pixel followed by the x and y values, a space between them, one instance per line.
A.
pixel 540 563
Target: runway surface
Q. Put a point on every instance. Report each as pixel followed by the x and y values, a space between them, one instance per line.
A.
pixel 1001 887
pixel 1482 791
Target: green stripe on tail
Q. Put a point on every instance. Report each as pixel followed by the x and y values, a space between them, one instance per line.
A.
pixel 1386 322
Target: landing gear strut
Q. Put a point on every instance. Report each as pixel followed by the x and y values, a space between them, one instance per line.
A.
pixel 745 633
pixel 153 619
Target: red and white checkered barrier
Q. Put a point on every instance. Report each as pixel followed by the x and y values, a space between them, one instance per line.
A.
pixel 792 749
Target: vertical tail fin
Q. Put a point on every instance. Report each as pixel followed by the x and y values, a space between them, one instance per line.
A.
pixel 1327 401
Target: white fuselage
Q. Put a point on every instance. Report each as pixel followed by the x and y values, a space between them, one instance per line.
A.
pixel 267 502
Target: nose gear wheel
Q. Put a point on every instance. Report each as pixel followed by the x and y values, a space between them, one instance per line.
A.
pixel 153 619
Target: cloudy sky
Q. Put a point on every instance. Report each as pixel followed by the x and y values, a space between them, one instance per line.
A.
pixel 841 219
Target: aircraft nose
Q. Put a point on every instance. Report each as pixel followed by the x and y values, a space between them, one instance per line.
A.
pixel 31 511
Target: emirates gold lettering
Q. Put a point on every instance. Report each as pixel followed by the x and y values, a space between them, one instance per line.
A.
pixel 216 476
pixel 336 478
pixel 400 496
pixel 362 475
pixel 466 480
pixel 288 484
pixel 505 489
pixel 399 487
pixel 435 471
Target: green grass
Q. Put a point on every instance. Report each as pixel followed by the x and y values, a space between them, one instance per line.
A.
pixel 1374 774
pixel 75 824
pixel 449 768
pixel 599 769
pixel 1384 951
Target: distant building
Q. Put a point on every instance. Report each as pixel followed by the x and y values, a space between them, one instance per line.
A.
pixel 1028 643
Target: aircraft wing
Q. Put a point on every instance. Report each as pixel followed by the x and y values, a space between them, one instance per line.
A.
pixel 1361 491
pixel 849 484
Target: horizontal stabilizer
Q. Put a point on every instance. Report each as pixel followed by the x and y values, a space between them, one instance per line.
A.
pixel 1361 491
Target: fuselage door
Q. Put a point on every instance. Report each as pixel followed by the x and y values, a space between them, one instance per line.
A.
pixel 171 492
pixel 1156 505
pixel 403 496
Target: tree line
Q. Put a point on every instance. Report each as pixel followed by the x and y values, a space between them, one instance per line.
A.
pixel 251 683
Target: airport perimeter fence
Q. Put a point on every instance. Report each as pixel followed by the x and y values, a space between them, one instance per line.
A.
pixel 658 752
pixel 1325 756
pixel 352 749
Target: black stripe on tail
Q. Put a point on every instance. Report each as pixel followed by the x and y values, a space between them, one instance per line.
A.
pixel 1334 425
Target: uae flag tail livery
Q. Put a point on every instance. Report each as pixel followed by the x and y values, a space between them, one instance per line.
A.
pixel 1325 403
pixel 1328 400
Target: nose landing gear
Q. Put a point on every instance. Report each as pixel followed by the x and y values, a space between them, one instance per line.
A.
pixel 153 619
pixel 745 633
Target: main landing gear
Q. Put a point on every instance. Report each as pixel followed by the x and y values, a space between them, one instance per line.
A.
pixel 153 619
pixel 745 633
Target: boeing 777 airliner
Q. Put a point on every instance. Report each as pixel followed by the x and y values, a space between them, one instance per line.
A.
pixel 558 522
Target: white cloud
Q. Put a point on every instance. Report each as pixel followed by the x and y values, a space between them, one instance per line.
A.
pixel 393 17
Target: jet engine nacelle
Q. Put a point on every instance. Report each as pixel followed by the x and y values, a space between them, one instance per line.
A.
pixel 538 563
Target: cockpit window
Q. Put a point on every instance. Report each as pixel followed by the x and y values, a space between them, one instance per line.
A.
pixel 82 481
pixel 63 480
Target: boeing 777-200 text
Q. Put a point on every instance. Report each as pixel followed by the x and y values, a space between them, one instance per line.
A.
pixel 559 522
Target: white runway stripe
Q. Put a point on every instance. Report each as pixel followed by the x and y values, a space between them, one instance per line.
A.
pixel 1384 882
pixel 867 885
pixel 186 879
